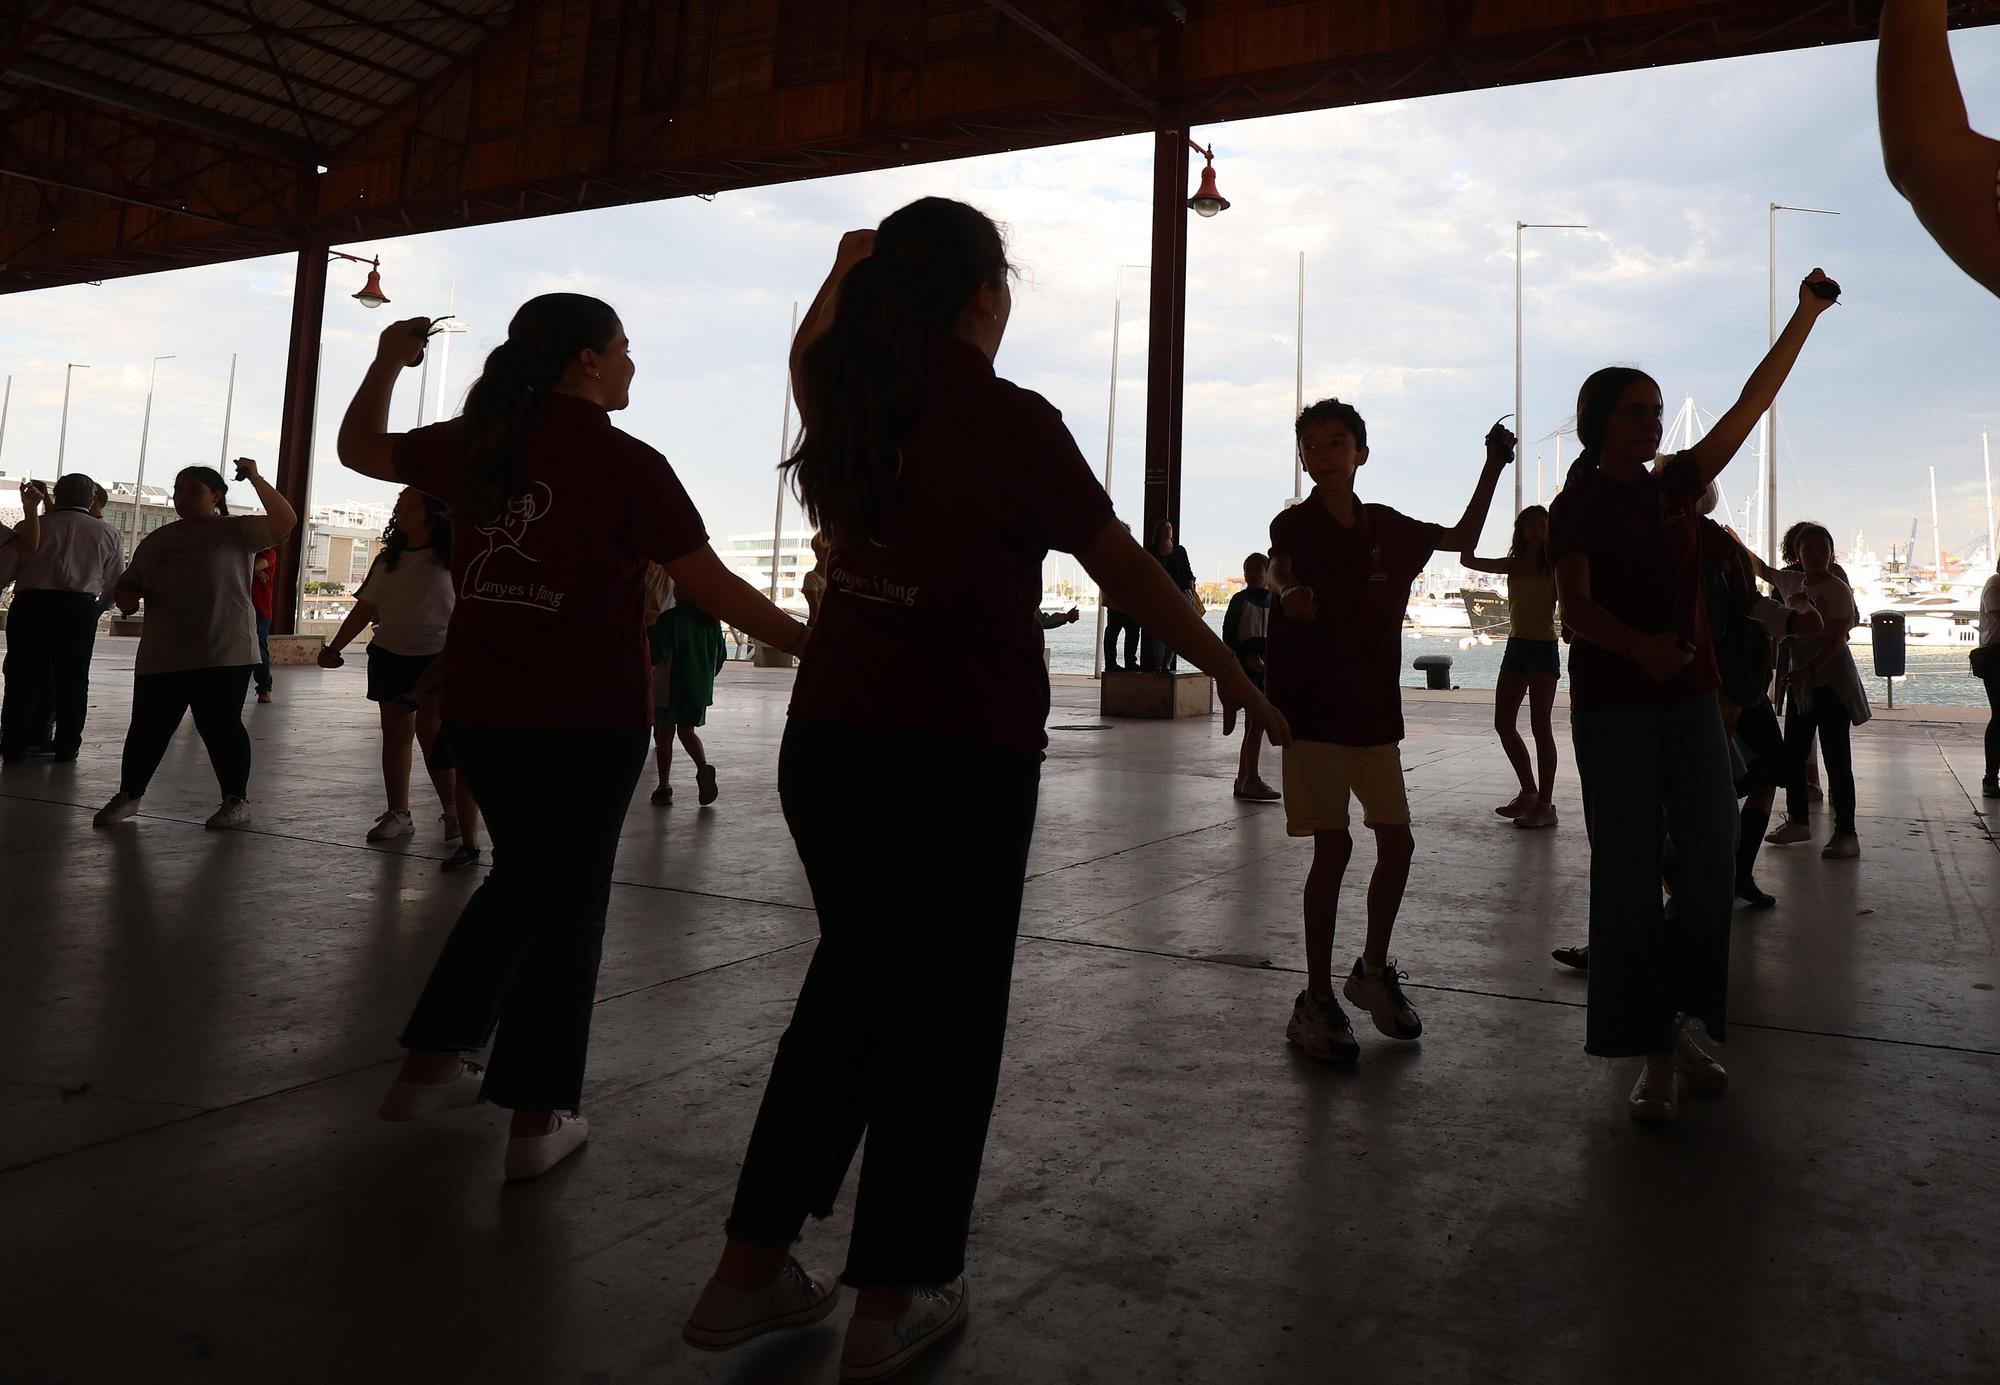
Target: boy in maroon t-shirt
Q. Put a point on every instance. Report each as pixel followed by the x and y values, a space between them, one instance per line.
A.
pixel 1342 571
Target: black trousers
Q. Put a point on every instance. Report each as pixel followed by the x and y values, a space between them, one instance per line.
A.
pixel 1828 720
pixel 1993 726
pixel 161 700
pixel 1117 623
pixel 523 956
pixel 898 1029
pixel 50 636
pixel 263 673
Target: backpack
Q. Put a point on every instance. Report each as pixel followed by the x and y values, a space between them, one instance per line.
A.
pixel 1742 647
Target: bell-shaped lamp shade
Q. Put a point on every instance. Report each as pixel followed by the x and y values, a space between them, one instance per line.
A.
pixel 371 295
pixel 1206 200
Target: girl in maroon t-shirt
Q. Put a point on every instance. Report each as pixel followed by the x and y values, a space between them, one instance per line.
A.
pixel 1645 720
pixel 909 774
pixel 547 701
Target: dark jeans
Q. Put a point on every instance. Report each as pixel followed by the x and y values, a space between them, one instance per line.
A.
pixel 898 1029
pixel 1829 720
pixel 524 954
pixel 1993 726
pixel 1640 765
pixel 160 700
pixel 1117 623
pixel 263 673
pixel 50 636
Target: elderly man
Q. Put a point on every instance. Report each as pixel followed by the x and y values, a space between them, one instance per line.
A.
pixel 59 591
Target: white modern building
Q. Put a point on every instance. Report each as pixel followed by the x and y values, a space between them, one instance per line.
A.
pixel 749 557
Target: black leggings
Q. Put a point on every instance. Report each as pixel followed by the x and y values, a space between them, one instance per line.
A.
pixel 1117 624
pixel 161 700
pixel 898 1029
pixel 1993 726
pixel 1830 720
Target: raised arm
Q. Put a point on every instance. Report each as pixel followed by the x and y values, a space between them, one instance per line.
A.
pixel 1464 535
pixel 366 445
pixel 1930 151
pixel 1500 567
pixel 1134 582
pixel 1727 437
pixel 28 533
pixel 729 598
pixel 855 247
pixel 1658 656
pixel 277 510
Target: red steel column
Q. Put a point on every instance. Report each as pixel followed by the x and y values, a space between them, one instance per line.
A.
pixel 293 479
pixel 1166 333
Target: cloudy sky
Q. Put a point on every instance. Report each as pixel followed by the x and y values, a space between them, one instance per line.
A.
pixel 1405 213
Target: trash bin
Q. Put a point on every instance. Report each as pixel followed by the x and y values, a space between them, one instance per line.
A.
pixel 1436 669
pixel 1886 630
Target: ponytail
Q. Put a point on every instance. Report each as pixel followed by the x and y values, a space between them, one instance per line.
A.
pixel 865 375
pixel 512 390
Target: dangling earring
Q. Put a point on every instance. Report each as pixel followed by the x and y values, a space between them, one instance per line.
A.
pixel 597 375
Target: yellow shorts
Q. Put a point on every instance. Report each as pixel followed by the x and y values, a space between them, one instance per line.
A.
pixel 1320 777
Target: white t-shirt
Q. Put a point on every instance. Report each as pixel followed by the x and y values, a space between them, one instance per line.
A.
pixel 412 600
pixel 1839 675
pixel 195 577
pixel 1989 612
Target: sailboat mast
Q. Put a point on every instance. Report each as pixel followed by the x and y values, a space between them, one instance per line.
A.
pixel 1937 545
pixel 1986 455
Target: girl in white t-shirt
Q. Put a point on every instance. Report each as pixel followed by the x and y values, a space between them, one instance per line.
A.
pixel 408 596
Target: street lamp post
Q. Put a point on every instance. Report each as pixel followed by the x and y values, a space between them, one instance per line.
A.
pixel 1110 434
pixel 1771 417
pixel 1520 427
pixel 145 430
pixel 62 437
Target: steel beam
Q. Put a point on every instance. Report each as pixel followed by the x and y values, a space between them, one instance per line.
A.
pixel 295 430
pixel 1166 331
pixel 1057 43
pixel 125 96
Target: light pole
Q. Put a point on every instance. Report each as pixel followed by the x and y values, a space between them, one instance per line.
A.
pixel 145 430
pixel 1520 424
pixel 1299 380
pixel 228 404
pixel 784 451
pixel 1110 434
pixel 1771 417
pixel 62 437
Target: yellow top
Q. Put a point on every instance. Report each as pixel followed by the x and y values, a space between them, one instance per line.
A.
pixel 1531 605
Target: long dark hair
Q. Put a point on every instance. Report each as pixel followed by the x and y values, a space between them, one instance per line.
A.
pixel 1597 401
pixel 395 543
pixel 1517 548
pixel 512 390
pixel 210 479
pixel 864 377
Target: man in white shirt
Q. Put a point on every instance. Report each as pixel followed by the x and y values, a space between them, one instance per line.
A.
pixel 59 591
pixel 1989 640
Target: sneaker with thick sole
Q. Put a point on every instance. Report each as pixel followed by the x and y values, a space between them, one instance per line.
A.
pixel 1518 804
pixel 706 790
pixel 1656 1097
pixel 264 696
pixel 391 825
pixel 1256 790
pixel 877 1348
pixel 726 1317
pixel 662 796
pixel 1380 993
pixel 1791 833
pixel 1844 847
pixel 119 809
pixel 413 1101
pixel 1698 1068
pixel 1541 815
pixel 1576 958
pixel 1320 1029
pixel 234 812
pixel 460 859
pixel 1747 891
pixel 531 1156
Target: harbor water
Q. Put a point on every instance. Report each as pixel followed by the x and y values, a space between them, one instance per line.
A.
pixel 1937 677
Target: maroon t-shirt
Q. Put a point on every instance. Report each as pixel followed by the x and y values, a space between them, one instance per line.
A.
pixel 932 625
pixel 1645 568
pixel 549 631
pixel 1335 676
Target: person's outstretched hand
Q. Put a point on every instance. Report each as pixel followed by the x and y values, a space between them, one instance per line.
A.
pixel 402 342
pixel 1811 301
pixel 1499 445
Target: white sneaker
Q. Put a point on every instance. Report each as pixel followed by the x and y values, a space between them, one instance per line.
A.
pixel 531 1156
pixel 119 809
pixel 1320 1029
pixel 1541 815
pixel 1380 993
pixel 1520 803
pixel 391 825
pixel 876 1348
pixel 234 812
pixel 1656 1096
pixel 724 1317
pixel 412 1101
pixel 1697 1065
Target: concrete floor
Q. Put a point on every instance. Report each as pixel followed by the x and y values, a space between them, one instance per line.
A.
pixel 194 1028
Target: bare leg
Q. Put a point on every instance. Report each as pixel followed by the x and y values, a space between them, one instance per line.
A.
pixel 1253 744
pixel 748 1266
pixel 468 811
pixel 1394 846
pixel 1541 704
pixel 443 780
pixel 1331 852
pixel 691 743
pixel 663 750
pixel 1507 695
pixel 399 728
